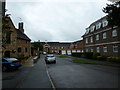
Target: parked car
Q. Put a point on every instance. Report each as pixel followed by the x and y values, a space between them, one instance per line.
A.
pixel 50 58
pixel 44 53
pixel 10 63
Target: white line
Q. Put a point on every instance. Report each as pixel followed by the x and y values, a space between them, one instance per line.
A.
pixel 53 86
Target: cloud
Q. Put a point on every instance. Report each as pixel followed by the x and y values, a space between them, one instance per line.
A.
pixel 65 21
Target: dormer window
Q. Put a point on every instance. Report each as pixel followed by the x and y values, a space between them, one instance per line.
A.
pixel 87 30
pixel 92 28
pixel 98 26
pixel 105 23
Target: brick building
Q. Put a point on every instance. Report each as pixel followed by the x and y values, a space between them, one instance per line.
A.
pixel 77 46
pixel 100 37
pixel 15 43
pixel 63 47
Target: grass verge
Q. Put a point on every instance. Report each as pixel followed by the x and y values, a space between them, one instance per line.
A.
pixel 63 56
pixel 85 61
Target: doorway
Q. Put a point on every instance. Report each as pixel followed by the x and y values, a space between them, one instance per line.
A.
pixel 7 53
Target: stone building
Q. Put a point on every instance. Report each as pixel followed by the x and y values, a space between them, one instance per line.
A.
pixel 15 43
pixel 100 37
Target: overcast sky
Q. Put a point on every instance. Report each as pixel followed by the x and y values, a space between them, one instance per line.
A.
pixel 56 20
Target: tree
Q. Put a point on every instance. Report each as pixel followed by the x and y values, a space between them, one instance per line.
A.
pixel 38 45
pixel 113 13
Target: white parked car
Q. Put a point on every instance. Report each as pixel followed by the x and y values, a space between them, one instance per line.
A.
pixel 50 58
pixel 44 53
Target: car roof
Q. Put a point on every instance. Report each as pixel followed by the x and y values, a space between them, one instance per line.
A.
pixel 11 59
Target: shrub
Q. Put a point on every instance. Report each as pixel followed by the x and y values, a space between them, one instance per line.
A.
pixel 88 55
pixel 20 57
pixel 103 58
pixel 113 59
pixel 95 54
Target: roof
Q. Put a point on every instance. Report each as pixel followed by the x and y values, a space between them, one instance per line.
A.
pixel 22 35
pixel 99 20
pixel 58 44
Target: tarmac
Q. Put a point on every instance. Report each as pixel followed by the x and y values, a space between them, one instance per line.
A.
pixel 38 76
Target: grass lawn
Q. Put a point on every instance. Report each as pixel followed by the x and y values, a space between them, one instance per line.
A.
pixel 85 61
pixel 63 56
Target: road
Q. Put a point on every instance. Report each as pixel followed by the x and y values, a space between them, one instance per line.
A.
pixel 30 75
pixel 64 74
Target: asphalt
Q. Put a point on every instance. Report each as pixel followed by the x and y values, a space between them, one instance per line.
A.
pixel 37 77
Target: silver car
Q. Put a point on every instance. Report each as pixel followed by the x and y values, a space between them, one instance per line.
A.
pixel 50 58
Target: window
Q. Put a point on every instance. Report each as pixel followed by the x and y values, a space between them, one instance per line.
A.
pixel 19 49
pixel 86 50
pixel 114 33
pixel 25 49
pixel 86 40
pixel 104 35
pixel 98 26
pixel 98 49
pixel 115 48
pixel 92 28
pixel 91 50
pixel 104 49
pixel 105 23
pixel 91 39
pixel 87 30
pixel 97 37
pixel 8 37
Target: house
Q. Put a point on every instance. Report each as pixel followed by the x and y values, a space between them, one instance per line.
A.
pixel 63 47
pixel 56 47
pixel 100 37
pixel 15 43
pixel 77 46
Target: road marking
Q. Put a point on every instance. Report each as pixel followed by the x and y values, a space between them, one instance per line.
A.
pixel 53 86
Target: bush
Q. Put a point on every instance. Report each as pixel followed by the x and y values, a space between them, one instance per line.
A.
pixel 101 58
pixel 88 55
pixel 20 57
pixel 95 54
pixel 113 59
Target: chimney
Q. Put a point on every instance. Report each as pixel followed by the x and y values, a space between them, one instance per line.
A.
pixel 20 27
pixel 3 2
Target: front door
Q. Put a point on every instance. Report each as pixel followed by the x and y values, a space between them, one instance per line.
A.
pixel 7 53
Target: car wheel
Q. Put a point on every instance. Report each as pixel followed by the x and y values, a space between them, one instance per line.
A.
pixel 54 61
pixel 4 69
pixel 46 62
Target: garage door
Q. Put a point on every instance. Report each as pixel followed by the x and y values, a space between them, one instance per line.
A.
pixel 63 52
pixel 68 52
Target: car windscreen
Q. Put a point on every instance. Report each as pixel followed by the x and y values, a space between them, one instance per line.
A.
pixel 50 56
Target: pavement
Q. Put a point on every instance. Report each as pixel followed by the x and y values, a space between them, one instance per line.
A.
pixel 37 77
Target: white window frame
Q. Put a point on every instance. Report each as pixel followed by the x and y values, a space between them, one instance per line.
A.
pixel 87 30
pixel 114 33
pixel 98 25
pixel 114 48
pixel 105 49
pixel 105 23
pixel 104 35
pixel 97 37
pixel 91 39
pixel 86 40
pixel 98 49
pixel 92 28
pixel 86 50
pixel 91 49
